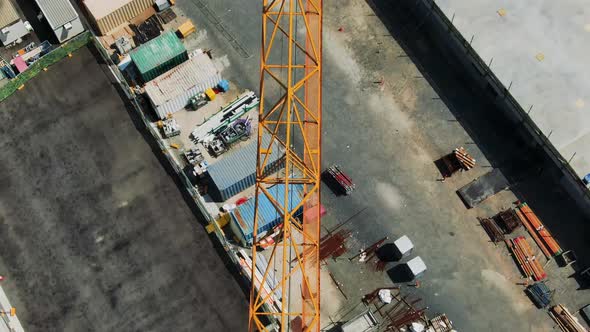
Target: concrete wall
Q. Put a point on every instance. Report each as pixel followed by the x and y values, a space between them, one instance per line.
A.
pixel 459 49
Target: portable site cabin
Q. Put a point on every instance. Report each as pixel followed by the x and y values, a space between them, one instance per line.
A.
pixel 62 18
pixel 236 171
pixel 159 55
pixel 242 218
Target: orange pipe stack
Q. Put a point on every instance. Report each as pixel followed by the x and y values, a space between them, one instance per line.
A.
pixel 540 234
pixel 526 259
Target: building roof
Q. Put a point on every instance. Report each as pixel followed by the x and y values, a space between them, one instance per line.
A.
pixel 197 71
pixel 238 164
pixel 57 12
pixel 541 52
pixel 157 51
pixel 101 8
pixel 8 13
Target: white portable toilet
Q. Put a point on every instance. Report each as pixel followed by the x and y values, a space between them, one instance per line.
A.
pixel 416 267
pixel 403 247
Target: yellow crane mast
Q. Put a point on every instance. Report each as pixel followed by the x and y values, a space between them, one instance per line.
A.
pixel 290 114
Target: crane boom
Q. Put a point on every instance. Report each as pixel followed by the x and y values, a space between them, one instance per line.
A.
pixel 287 290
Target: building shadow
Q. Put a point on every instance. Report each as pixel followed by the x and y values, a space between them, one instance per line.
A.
pixel 483 112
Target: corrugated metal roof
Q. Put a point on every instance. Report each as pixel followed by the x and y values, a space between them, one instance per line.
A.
pixel 240 163
pixel 269 217
pixel 8 13
pixel 157 51
pixel 101 8
pixel 198 70
pixel 57 12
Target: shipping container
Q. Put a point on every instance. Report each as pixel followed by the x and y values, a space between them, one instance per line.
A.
pixel 236 170
pixel 159 55
pixel 242 218
pixel 171 91
pixel 107 15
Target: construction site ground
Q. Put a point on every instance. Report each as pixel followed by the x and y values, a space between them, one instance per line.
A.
pixel 95 231
pixel 389 112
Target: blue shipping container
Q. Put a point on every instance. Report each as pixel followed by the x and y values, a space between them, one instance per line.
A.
pixel 236 171
pixel 242 218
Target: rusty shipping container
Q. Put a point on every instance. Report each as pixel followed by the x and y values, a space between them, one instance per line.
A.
pixel 107 15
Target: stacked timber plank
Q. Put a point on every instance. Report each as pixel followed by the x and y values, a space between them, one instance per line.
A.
pixel 493 230
pixel 538 232
pixel 465 159
pixel 522 252
pixel 565 320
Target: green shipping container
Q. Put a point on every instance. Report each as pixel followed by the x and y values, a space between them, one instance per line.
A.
pixel 159 55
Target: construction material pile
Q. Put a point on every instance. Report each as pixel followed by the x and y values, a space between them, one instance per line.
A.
pixel 565 320
pixel 522 252
pixel 493 230
pixel 508 220
pixel 465 159
pixel 344 181
pixel 538 232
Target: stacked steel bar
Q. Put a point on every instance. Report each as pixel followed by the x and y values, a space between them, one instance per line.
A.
pixel 527 261
pixel 540 294
pixel 464 158
pixel 333 245
pixel 565 320
pixel 540 234
pixel 343 180
pixel 493 230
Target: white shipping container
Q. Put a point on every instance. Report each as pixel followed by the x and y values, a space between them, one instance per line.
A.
pixel 171 91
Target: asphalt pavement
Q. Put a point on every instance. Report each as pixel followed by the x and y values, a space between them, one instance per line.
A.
pixel 95 235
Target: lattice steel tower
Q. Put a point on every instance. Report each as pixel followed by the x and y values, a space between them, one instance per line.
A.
pixel 290 113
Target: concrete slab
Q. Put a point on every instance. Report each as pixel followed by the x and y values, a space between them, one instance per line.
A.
pixel 95 234
pixel 540 51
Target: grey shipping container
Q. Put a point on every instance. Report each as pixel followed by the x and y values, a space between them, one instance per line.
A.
pixel 236 171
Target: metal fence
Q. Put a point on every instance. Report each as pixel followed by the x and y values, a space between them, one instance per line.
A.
pixel 45 61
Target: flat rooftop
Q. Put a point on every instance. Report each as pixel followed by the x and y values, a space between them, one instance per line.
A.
pixel 94 233
pixel 541 51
